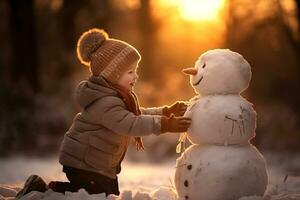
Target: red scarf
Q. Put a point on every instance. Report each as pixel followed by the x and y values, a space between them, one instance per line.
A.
pixel 129 98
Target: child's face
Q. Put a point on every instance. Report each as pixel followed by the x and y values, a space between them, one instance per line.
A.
pixel 128 79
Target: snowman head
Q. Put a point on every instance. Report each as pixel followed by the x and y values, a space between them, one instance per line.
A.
pixel 220 71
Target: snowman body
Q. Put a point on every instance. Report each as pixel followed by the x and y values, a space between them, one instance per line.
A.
pixel 221 164
pixel 226 119
pixel 214 172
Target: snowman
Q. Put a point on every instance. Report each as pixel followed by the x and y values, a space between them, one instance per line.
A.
pixel 221 163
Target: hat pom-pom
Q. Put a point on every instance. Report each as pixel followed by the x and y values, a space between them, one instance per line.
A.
pixel 88 43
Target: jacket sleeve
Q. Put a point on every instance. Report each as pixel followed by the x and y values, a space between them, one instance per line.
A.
pixel 152 111
pixel 111 112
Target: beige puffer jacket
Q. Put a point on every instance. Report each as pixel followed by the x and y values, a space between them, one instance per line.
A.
pixel 100 133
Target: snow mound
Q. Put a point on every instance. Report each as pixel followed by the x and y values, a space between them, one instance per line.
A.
pixel 7 192
pixel 163 193
pixel 288 190
pixel 135 183
pixel 251 198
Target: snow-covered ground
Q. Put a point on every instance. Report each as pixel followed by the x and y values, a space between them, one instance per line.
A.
pixel 142 180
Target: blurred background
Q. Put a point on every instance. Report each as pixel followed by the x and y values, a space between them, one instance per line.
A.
pixel 39 69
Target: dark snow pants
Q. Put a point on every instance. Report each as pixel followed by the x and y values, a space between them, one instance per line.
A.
pixel 92 182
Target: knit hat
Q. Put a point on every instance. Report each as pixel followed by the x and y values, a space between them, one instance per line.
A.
pixel 105 56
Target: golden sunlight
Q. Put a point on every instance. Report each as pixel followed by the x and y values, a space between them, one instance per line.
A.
pixel 200 9
pixel 195 10
pixel 200 21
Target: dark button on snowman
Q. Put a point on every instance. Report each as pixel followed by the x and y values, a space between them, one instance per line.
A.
pixel 221 164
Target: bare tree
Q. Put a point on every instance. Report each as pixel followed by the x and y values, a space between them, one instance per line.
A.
pixel 148 29
pixel 24 67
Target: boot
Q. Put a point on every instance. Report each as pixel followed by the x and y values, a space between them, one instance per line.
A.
pixel 33 183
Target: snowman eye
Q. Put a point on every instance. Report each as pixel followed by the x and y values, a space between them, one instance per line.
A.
pixel 203 66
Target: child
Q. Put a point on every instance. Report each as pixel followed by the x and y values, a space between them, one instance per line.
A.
pixel 95 145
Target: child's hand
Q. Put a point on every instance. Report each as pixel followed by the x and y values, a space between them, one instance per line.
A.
pixel 175 124
pixel 178 109
pixel 139 143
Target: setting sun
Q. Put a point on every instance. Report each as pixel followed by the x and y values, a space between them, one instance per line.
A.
pixel 194 10
pixel 200 9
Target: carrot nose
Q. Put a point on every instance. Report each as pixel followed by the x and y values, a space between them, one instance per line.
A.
pixel 190 71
